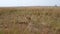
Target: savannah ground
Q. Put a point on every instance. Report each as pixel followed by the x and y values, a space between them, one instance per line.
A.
pixel 30 20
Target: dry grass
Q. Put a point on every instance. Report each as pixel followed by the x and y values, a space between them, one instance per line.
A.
pixel 30 20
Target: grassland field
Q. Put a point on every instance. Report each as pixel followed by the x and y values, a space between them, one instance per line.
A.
pixel 30 20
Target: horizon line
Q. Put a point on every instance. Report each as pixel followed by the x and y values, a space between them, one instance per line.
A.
pixel 29 6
